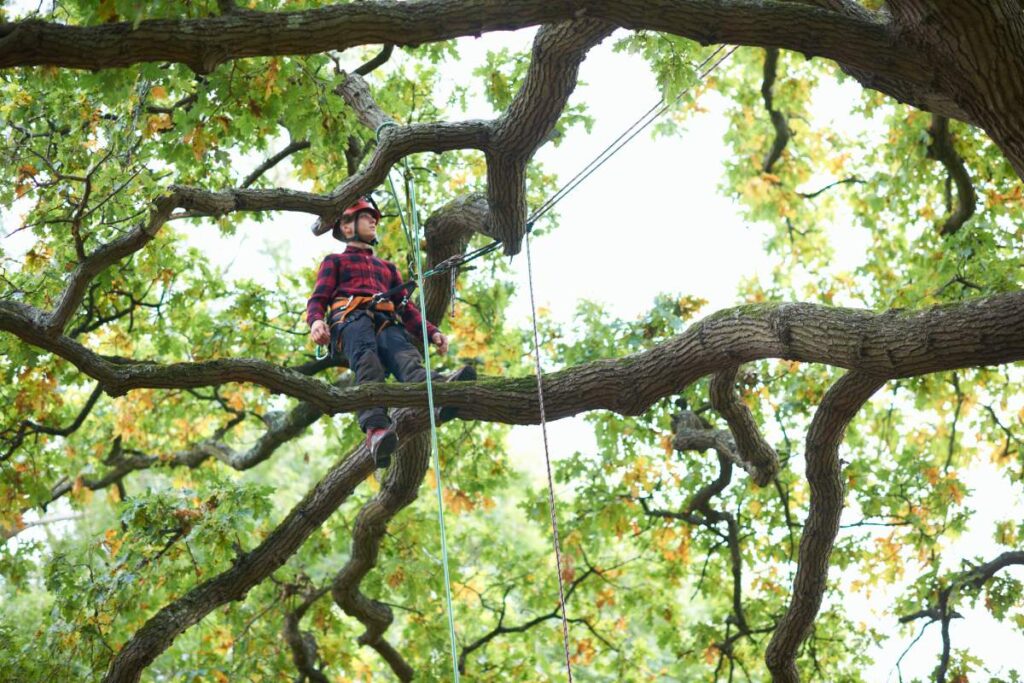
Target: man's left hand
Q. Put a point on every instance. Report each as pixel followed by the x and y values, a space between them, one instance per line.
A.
pixel 441 342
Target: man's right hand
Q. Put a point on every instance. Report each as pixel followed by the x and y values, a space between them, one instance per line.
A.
pixel 319 333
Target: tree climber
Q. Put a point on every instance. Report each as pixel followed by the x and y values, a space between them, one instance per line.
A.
pixel 369 330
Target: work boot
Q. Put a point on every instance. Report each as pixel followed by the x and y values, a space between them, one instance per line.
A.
pixel 467 373
pixel 381 443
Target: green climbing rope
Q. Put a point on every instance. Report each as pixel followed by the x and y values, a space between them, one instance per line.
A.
pixel 414 219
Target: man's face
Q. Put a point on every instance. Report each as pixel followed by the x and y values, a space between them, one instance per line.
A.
pixel 366 225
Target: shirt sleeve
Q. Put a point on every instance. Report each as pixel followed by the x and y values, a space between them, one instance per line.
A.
pixel 411 316
pixel 326 280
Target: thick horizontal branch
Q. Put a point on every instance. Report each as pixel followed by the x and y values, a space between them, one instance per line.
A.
pixel 204 43
pixel 979 332
pixel 396 143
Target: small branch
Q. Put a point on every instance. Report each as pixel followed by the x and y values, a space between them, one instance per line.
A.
pixel 383 56
pixel 782 132
pixel 30 426
pixel 942 150
pixel 305 652
pixel 758 456
pixel 292 148
pixel 844 181
pixel 101 259
pixel 501 629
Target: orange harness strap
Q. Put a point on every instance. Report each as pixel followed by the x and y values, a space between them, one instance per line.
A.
pixel 342 308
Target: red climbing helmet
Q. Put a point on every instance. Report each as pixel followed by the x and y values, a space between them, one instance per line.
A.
pixel 364 203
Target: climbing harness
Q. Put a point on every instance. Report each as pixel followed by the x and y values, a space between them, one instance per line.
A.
pixel 381 312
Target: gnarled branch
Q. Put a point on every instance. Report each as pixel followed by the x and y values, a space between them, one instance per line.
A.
pixel 942 150
pixel 824 475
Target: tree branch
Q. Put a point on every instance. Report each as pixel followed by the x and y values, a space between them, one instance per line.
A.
pixel 824 474
pixel 249 569
pixel 27 426
pixel 399 489
pixel 758 457
pixel 501 629
pixel 102 258
pixel 782 134
pixel 941 149
pixel 973 578
pixel 204 43
pixel 983 331
pixel 379 60
pixel 292 148
pixel 302 643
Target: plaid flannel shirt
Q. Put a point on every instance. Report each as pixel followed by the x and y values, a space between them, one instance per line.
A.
pixel 359 272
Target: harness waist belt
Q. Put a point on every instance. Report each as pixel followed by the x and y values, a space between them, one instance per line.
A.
pixel 342 307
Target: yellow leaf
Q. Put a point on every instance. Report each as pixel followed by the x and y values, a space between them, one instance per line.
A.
pixel 396 578
pixel 158 122
pixel 235 401
pixel 80 492
pixel 585 652
pixel 223 641
pixel 457 501
pixel 107 11
pixel 112 542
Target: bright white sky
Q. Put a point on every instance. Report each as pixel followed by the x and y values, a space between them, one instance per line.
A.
pixel 680 235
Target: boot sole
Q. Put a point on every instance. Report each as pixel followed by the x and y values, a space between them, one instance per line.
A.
pixel 385 447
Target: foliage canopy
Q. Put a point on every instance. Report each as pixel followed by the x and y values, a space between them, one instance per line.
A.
pixel 175 500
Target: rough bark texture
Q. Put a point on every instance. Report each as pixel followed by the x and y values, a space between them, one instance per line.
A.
pixel 755 454
pixel 963 60
pixel 825 476
pixel 984 331
pixel 399 489
pixel 252 567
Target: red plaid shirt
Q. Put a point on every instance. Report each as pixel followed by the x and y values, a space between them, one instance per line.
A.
pixel 358 271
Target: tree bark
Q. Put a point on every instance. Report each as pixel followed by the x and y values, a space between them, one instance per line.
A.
pixel 984 331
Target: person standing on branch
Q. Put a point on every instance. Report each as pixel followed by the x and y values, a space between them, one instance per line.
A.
pixel 374 335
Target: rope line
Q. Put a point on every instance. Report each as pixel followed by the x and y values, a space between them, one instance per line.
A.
pixel 645 120
pixel 433 433
pixel 414 219
pixel 547 462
